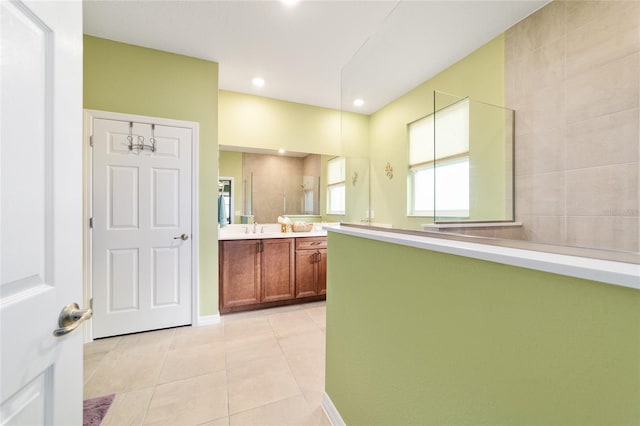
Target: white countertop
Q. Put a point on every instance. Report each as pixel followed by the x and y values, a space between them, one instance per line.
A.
pixel 269 230
pixel 616 273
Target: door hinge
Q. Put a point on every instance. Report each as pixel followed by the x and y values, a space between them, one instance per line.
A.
pixel 91 141
pixel 90 222
pixel 91 303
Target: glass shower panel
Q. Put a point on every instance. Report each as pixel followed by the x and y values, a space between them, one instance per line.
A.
pixel 472 168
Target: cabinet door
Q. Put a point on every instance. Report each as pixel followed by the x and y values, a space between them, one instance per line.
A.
pixel 239 273
pixel 306 273
pixel 321 266
pixel 278 269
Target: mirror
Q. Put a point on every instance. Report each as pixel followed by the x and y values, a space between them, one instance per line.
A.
pixel 274 184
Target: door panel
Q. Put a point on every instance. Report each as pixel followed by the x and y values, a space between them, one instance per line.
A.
pixel 278 269
pixel 123 200
pixel 166 198
pixel 141 204
pixel 41 210
pixel 123 280
pixel 239 273
pixel 166 276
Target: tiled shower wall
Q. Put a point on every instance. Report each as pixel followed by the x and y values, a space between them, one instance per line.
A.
pixel 278 183
pixel 572 74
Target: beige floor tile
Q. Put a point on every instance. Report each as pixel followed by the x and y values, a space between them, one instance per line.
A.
pixel 124 374
pixel 101 345
pixel 194 336
pixel 291 323
pixel 143 344
pixel 239 352
pixel 318 315
pixel 224 421
pixel 128 408
pixel 311 341
pixel 293 411
pixel 189 402
pixel 308 372
pixel 91 363
pixel 260 382
pixel 192 361
pixel 251 327
pixel 260 366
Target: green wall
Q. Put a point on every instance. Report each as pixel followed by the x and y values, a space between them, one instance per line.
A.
pixel 130 79
pixel 420 337
pixel 480 76
pixel 259 122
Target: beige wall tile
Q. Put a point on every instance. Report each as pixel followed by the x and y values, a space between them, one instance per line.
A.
pixel 549 229
pixel 607 89
pixel 548 151
pixel 603 191
pixel 524 195
pixel 612 35
pixel 622 13
pixel 608 233
pixel 543 27
pixel 548 194
pixel 604 140
pixel 524 149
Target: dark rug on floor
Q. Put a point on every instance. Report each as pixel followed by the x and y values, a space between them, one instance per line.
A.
pixel 95 409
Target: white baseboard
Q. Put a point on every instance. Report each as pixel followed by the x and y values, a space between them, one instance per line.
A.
pixel 331 411
pixel 208 319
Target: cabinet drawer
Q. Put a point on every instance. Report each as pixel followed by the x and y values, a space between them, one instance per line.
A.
pixel 311 243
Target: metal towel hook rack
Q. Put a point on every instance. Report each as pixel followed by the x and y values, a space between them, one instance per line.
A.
pixel 140 139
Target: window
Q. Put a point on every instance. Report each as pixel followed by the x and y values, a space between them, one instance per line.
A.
pixel 336 186
pixel 438 183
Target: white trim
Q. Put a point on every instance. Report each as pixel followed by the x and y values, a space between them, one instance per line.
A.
pixel 89 116
pixel 605 271
pixel 331 411
pixel 207 320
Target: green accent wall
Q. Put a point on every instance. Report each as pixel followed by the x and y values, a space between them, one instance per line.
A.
pixel 421 337
pixel 131 79
pixel 258 122
pixel 480 75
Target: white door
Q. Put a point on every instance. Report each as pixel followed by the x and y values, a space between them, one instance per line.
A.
pixel 141 227
pixel 41 210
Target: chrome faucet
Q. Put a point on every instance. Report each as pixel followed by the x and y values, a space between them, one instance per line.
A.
pixel 254 226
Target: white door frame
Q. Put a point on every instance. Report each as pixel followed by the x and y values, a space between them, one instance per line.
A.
pixel 89 116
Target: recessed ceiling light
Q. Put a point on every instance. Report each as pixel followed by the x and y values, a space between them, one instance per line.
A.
pixel 258 81
pixel 358 102
pixel 281 151
pixel 289 2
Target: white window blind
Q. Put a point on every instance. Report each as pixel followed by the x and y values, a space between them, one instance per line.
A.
pixel 439 176
pixel 451 134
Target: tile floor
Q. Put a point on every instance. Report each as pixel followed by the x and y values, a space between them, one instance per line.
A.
pixel 258 368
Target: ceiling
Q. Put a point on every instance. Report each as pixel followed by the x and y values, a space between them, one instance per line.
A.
pixel 300 50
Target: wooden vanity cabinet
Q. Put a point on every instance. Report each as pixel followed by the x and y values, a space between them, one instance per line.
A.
pixel 256 271
pixel 278 279
pixel 239 273
pixel 311 266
